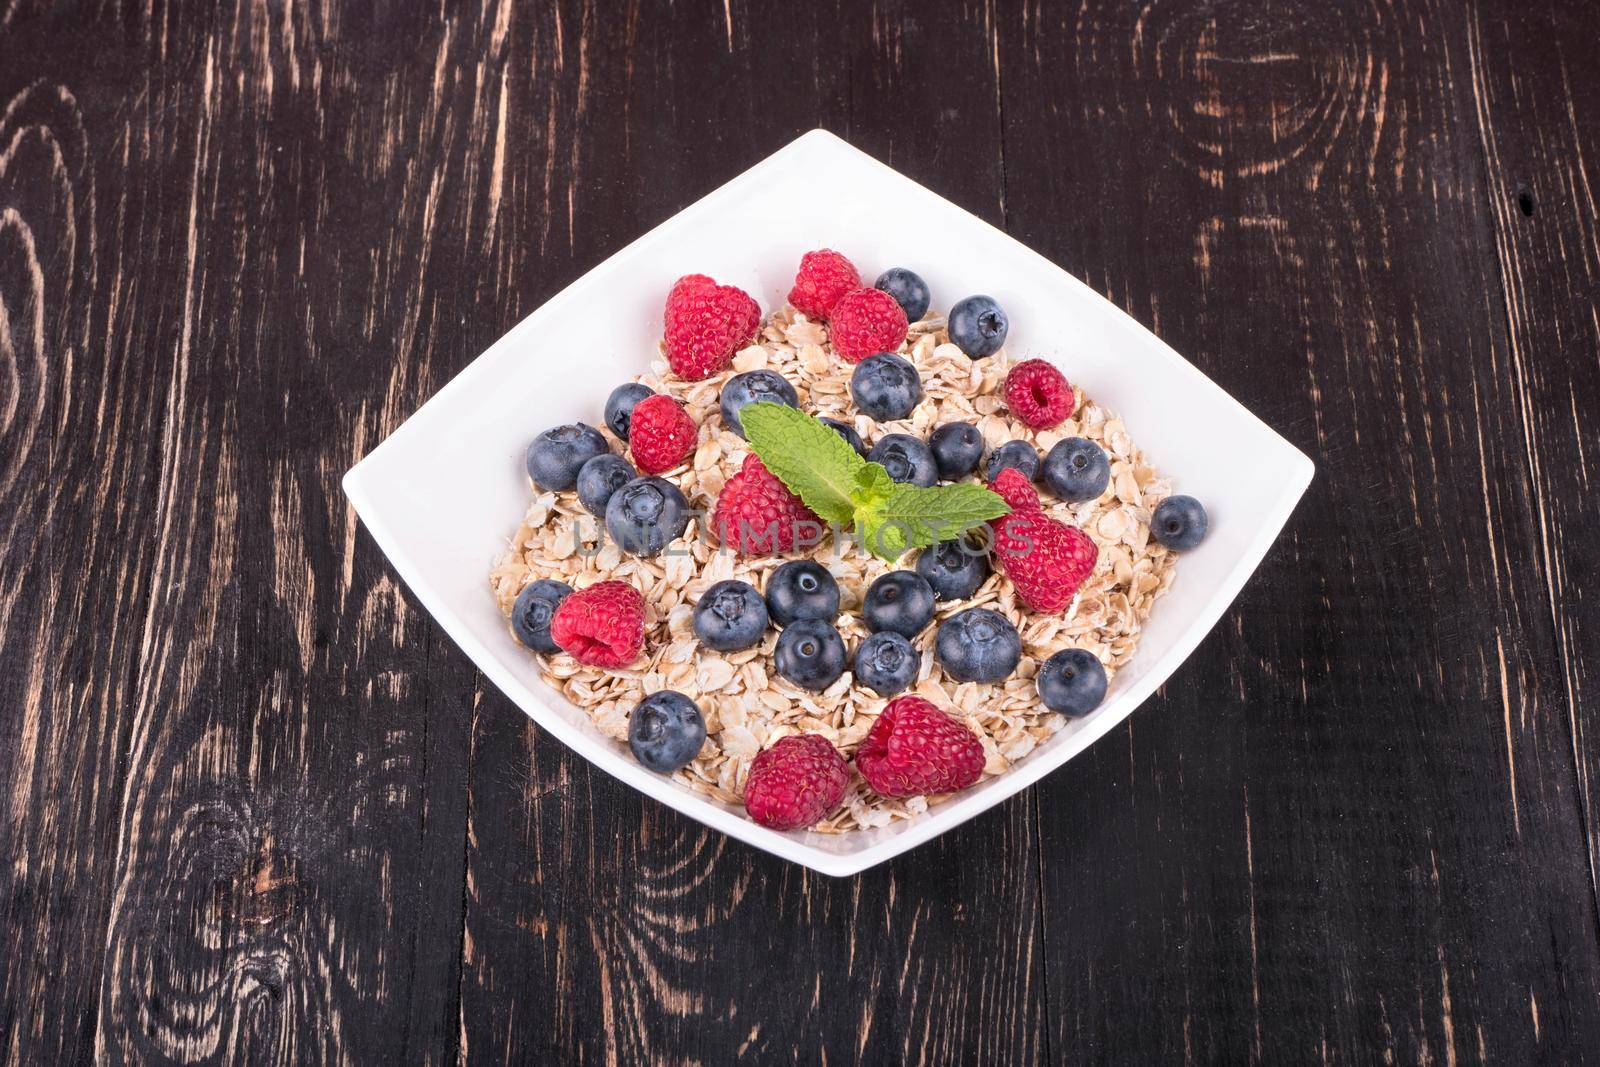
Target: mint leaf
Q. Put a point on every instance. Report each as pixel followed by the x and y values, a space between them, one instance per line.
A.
pixel 819 467
pixel 811 459
pixel 874 487
pixel 886 539
pixel 938 513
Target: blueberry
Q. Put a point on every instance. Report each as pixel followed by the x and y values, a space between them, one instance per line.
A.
pixel 1018 455
pixel 801 589
pixel 751 387
pixel 810 654
pixel 957 447
pixel 599 478
pixel 978 326
pixel 556 456
pixel 886 663
pixel 531 614
pixel 730 616
pixel 954 569
pixel 908 290
pixel 645 514
pixel 885 386
pixel 665 731
pixel 848 432
pixel 906 459
pixel 978 645
pixel 901 601
pixel 619 406
pixel 1179 523
pixel 1072 682
pixel 1077 469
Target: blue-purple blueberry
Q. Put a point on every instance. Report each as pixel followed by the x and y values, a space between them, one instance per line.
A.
pixel 900 601
pixel 557 455
pixel 645 514
pixel 599 478
pixel 954 569
pixel 801 589
pixel 908 290
pixel 886 663
pixel 1077 469
pixel 731 616
pixel 978 326
pixel 1072 682
pixel 666 731
pixel 978 645
pixel 957 447
pixel 534 608
pixel 885 386
pixel 620 404
pixel 1179 523
pixel 1016 455
pixel 906 459
pixel 754 387
pixel 810 653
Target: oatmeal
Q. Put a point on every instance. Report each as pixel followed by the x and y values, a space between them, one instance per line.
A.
pixel 746 705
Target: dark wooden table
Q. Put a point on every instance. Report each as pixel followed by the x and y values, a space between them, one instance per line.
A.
pixel 255 806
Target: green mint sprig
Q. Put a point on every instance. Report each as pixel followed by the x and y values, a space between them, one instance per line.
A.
pixel 821 468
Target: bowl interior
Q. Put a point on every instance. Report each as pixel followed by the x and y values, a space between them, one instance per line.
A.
pixel 444 493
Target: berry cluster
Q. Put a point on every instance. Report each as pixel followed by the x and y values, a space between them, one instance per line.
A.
pixel 913 748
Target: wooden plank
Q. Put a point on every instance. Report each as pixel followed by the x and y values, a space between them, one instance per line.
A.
pixel 1347 829
pixel 1537 105
pixel 603 927
pixel 70 490
pixel 240 774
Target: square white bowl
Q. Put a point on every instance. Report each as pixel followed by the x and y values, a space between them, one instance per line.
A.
pixel 445 491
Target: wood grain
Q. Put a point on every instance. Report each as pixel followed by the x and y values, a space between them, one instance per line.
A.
pixel 1541 140
pixel 60 733
pixel 1369 758
pixel 231 705
pixel 255 806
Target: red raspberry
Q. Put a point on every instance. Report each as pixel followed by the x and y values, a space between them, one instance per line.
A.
pixel 864 322
pixel 1014 488
pixel 661 434
pixel 824 277
pixel 1039 394
pixel 602 625
pixel 706 324
pixel 795 782
pixel 1046 560
pixel 914 749
pixel 756 514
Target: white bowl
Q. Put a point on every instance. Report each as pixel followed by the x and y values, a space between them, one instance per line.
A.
pixel 444 492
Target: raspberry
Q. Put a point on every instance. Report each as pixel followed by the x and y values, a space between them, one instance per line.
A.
pixel 1014 488
pixel 757 515
pixel 864 322
pixel 661 434
pixel 914 749
pixel 1046 560
pixel 1039 394
pixel 824 277
pixel 706 324
pixel 602 625
pixel 795 782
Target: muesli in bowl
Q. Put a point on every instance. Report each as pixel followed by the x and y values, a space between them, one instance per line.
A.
pixel 843 562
